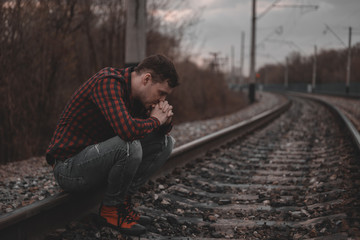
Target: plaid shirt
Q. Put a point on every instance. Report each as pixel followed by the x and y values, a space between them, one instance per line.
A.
pixel 101 108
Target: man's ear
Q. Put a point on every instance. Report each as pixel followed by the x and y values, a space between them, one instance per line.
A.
pixel 146 78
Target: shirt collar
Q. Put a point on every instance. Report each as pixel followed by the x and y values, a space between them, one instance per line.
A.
pixel 127 77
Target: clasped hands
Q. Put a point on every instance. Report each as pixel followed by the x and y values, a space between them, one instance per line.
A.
pixel 162 111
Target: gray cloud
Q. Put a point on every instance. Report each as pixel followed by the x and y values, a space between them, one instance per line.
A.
pixel 223 20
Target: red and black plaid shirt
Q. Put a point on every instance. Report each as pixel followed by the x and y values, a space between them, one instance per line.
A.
pixel 101 108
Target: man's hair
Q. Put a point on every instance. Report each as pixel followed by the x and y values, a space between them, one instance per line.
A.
pixel 161 69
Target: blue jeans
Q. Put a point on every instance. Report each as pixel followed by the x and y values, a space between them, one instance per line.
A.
pixel 120 166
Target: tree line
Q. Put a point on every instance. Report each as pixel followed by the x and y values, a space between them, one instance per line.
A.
pixel 331 67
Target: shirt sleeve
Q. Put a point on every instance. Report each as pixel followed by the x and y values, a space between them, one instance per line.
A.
pixel 108 96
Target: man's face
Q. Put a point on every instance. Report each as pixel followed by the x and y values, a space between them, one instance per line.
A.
pixel 153 93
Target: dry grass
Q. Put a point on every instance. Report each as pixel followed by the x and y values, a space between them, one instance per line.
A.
pixel 203 94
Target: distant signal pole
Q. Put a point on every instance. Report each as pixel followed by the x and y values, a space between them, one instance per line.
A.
pixel 313 85
pixel 242 56
pixel 348 68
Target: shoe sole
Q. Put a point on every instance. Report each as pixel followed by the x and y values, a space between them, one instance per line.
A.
pixel 127 231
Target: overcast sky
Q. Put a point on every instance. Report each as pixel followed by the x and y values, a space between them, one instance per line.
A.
pixel 279 32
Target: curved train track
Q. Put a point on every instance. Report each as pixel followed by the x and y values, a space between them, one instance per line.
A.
pixel 296 178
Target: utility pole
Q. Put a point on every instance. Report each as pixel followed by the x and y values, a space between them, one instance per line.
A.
pixel 242 56
pixel 314 70
pixel 135 37
pixel 286 76
pixel 232 65
pixel 214 64
pixel 348 65
pixel 252 54
pixel 348 69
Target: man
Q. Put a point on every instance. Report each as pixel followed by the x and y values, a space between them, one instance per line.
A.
pixel 113 133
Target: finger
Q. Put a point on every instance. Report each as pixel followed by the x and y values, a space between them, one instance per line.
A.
pixel 163 104
pixel 154 107
pixel 170 113
pixel 170 108
pixel 166 108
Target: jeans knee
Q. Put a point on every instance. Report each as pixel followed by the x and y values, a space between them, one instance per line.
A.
pixel 135 150
pixel 169 143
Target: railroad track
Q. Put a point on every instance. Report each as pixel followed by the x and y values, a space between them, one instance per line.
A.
pixel 296 178
pixel 348 105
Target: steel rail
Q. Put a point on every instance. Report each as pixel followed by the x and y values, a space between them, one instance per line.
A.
pixel 33 221
pixel 343 95
pixel 349 126
pixel 323 93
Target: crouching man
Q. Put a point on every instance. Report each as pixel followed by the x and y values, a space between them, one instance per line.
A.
pixel 114 133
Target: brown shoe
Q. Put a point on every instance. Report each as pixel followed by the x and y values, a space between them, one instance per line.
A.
pixel 119 218
pixel 143 220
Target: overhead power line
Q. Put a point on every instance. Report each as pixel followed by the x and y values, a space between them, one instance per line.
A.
pixel 315 7
pixel 275 4
pixel 268 9
pixel 279 30
pixel 329 28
